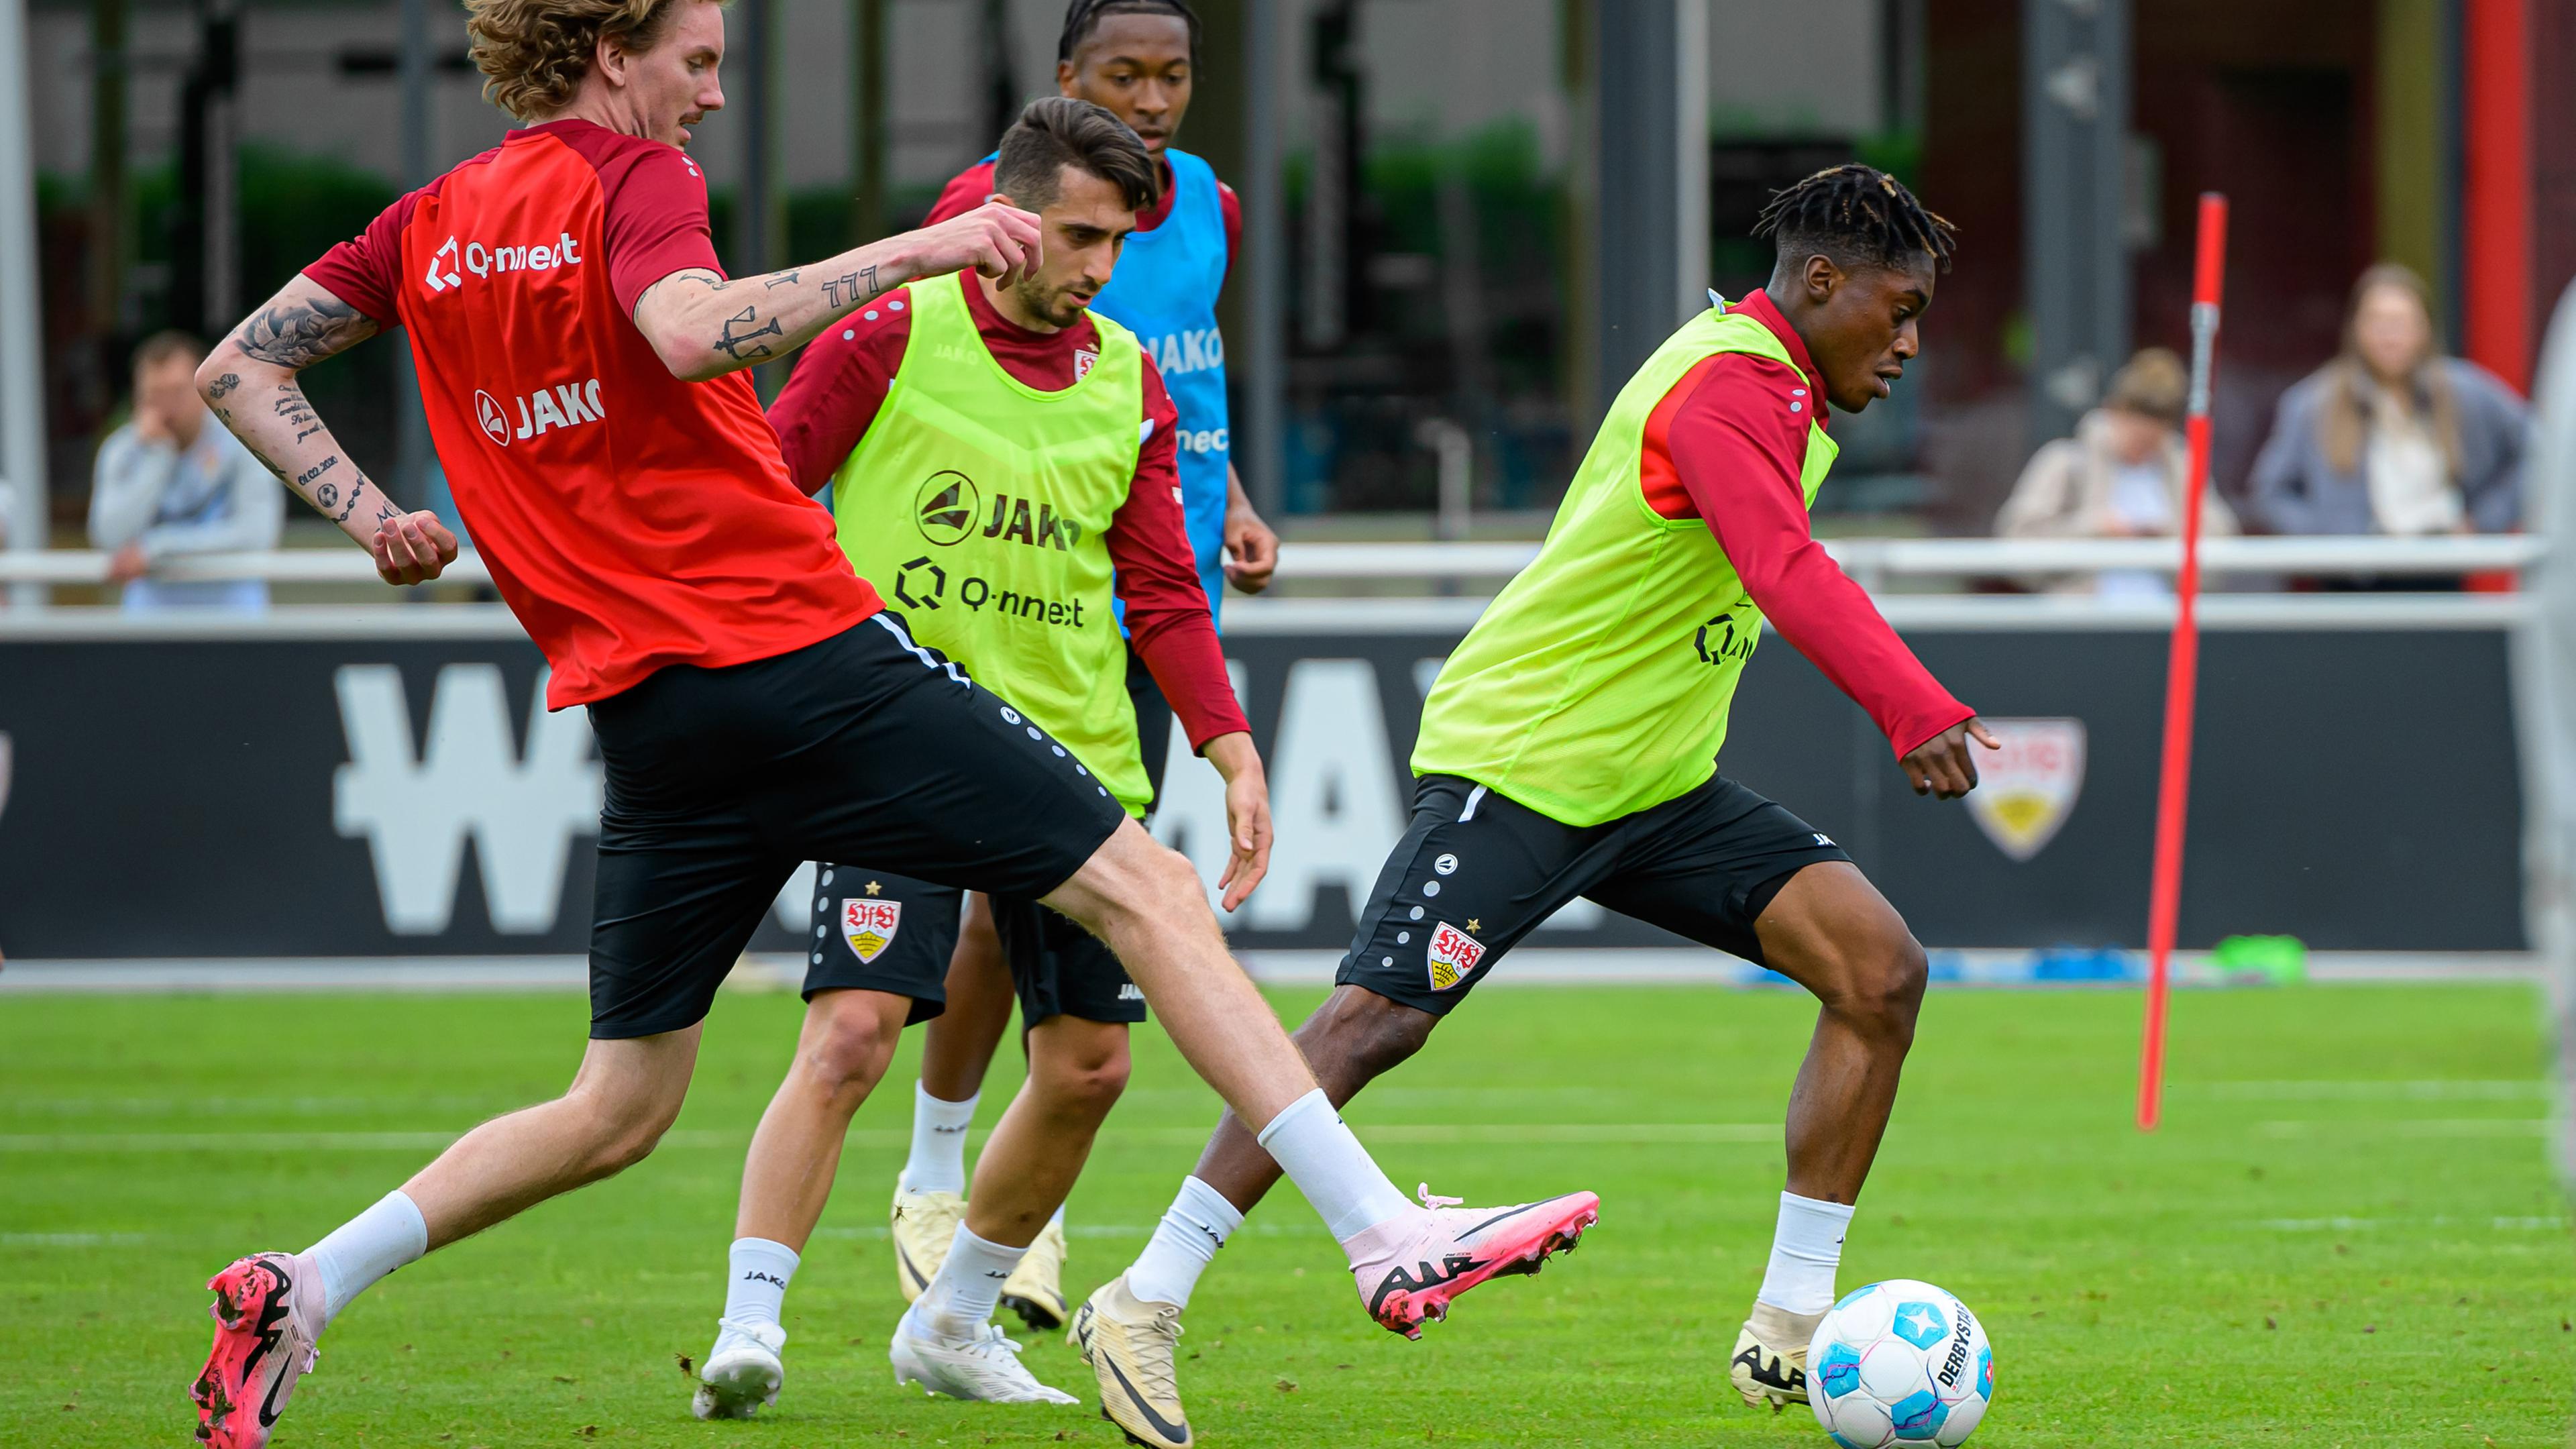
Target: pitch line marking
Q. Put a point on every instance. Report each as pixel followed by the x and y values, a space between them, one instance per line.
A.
pixel 2529 1089
pixel 2401 1127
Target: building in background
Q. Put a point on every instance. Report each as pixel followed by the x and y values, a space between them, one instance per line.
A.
pixel 1464 216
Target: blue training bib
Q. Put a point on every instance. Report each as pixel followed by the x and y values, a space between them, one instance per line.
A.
pixel 1165 291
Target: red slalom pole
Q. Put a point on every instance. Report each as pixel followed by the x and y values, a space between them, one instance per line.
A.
pixel 2182 666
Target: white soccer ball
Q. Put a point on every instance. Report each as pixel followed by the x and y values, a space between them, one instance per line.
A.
pixel 1899 1362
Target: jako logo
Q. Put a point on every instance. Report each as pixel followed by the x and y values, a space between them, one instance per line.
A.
pixel 944 509
pixel 565 405
pixel 1196 350
pixel 483 260
pixel 417 807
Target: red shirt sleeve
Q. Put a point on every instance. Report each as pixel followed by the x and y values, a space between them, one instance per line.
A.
pixel 1736 434
pixel 839 383
pixel 366 270
pixel 1167 611
pixel 964 192
pixel 656 221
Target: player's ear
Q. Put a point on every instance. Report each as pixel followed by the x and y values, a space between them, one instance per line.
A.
pixel 608 57
pixel 1822 277
pixel 1003 197
pixel 1064 78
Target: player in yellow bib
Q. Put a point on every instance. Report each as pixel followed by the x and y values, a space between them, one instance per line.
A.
pixel 1001 463
pixel 1003 467
pixel 1569 747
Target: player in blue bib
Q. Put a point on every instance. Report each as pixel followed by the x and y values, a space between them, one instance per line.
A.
pixel 1138 59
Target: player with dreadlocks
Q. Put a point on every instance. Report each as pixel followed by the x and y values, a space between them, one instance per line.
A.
pixel 1569 748
pixel 1139 60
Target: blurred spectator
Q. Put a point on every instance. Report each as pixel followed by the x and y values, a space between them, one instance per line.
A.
pixel 169 483
pixel 2391 437
pixel 2121 476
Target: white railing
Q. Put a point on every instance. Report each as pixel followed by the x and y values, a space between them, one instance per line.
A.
pixel 1876 562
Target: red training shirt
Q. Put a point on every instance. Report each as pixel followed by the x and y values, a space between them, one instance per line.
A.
pixel 631 520
pixel 1727 444
pixel 827 407
pixel 970 188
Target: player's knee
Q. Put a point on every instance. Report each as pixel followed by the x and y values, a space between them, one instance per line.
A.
pixel 1886 972
pixel 1358 1036
pixel 1088 1080
pixel 846 1049
pixel 625 1133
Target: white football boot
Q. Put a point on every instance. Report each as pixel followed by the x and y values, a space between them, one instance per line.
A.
pixel 742 1373
pixel 982 1365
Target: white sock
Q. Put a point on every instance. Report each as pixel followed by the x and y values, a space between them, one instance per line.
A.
pixel 1328 1164
pixel 962 1293
pixel 938 1161
pixel 756 1278
pixel 1805 1251
pixel 366 1248
pixel 1184 1243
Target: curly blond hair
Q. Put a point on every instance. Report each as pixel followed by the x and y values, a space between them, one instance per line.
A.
pixel 533 53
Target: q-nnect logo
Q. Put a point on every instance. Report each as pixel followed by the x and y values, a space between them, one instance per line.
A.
pixel 920 583
pixel 945 508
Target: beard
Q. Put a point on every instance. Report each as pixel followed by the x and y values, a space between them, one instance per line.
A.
pixel 1058 305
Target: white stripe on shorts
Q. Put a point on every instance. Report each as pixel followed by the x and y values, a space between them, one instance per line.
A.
pixel 917 651
pixel 1474 797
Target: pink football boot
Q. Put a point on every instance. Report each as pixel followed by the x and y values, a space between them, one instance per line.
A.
pixel 1408 1268
pixel 267 1311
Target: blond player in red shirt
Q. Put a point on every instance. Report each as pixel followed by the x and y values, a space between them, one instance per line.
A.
pixel 579 351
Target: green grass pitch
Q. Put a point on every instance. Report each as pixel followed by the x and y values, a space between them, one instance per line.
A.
pixel 2346 1233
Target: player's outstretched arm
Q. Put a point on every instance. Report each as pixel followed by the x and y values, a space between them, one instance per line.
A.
pixel 704 326
pixel 249 380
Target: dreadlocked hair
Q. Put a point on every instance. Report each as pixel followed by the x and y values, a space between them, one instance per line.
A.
pixel 1857 215
pixel 1084 16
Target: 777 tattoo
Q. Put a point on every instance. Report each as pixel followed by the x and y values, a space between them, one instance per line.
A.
pixel 859 287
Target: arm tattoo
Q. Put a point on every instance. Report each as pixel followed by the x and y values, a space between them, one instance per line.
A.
pixel 741 344
pixel 783 279
pixel 299 334
pixel 297 412
pixel 858 286
pixel 224 385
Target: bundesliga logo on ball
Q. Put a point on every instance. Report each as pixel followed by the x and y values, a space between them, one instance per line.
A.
pixel 1899 1362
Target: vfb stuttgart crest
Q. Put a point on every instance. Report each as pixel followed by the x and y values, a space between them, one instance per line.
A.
pixel 1454 953
pixel 869 926
pixel 2026 790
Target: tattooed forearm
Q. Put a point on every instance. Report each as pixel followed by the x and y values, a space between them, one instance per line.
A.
pixel 297 413
pixel 782 279
pixel 328 497
pixel 853 289
pixel 740 339
pixel 303 331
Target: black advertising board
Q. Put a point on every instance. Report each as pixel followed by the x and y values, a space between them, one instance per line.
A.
pixel 312 788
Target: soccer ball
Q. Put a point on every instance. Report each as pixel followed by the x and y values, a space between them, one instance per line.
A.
pixel 1899 1362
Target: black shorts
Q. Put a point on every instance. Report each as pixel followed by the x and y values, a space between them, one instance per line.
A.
pixel 1476 872
pixel 878 931
pixel 719 782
